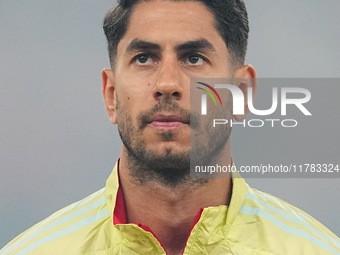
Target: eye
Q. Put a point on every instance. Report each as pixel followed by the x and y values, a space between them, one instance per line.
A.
pixel 142 59
pixel 195 60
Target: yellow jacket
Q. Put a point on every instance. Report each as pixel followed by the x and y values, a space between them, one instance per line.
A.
pixel 254 223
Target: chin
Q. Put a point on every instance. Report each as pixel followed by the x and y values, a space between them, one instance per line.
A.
pixel 172 148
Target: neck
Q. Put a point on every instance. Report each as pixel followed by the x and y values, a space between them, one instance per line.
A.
pixel 170 211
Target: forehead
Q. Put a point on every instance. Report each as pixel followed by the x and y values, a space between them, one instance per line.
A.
pixel 171 23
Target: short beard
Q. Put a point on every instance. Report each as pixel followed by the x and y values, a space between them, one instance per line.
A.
pixel 160 169
pixel 169 169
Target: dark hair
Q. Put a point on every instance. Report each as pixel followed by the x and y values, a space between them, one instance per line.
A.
pixel 231 21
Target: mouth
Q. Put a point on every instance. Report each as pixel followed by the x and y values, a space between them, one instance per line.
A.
pixel 168 122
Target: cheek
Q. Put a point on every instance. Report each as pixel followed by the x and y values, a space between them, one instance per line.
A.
pixel 133 87
pixel 134 94
pixel 130 105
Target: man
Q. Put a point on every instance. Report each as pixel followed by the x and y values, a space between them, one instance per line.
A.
pixel 150 205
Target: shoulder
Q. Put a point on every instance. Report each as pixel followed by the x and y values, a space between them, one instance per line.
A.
pixel 279 223
pixel 60 231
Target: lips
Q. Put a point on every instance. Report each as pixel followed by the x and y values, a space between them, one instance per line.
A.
pixel 168 122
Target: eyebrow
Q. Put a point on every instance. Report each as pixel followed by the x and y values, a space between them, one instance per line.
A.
pixel 137 45
pixel 200 44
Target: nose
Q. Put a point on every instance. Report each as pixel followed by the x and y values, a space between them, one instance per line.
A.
pixel 168 82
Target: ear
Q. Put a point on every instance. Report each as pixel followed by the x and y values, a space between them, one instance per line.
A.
pixel 109 94
pixel 245 77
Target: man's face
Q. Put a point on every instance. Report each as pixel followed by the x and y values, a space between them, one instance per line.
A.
pixel 165 45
